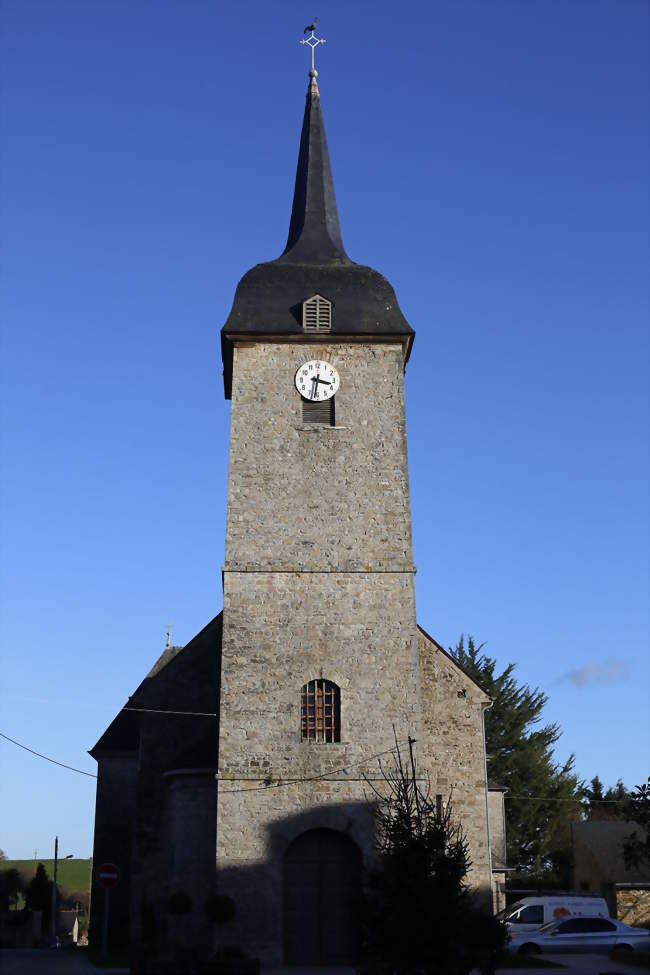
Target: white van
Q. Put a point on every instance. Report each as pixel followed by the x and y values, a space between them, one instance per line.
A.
pixel 530 913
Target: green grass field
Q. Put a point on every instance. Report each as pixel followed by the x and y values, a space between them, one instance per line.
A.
pixel 72 875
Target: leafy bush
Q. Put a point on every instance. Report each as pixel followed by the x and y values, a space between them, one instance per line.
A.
pixel 18 918
pixel 11 888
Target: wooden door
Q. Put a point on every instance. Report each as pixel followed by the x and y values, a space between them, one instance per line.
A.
pixel 322 885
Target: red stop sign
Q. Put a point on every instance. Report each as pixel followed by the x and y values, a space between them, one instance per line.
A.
pixel 108 875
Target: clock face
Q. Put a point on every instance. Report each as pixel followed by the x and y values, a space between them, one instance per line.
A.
pixel 317 380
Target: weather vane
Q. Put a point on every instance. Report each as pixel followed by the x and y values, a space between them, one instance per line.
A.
pixel 312 40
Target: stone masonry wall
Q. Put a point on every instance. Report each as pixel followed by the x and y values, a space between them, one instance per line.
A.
pixel 497 832
pixel 326 498
pixel 114 820
pixel 191 811
pixel 453 749
pixel 497 820
pixel 280 631
pixel 185 681
pixel 261 824
pixel 318 582
pixel 633 905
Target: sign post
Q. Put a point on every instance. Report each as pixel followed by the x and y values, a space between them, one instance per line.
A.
pixel 108 876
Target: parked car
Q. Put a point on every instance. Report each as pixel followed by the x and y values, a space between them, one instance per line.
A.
pixel 530 913
pixel 580 934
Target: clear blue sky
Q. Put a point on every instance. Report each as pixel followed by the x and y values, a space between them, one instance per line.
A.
pixel 491 160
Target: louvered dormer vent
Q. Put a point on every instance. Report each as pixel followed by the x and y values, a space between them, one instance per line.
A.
pixel 317 314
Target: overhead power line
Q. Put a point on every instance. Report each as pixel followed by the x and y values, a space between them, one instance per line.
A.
pixel 47 758
pixel 256 788
pixel 269 784
pixel 568 799
pixel 280 783
pixel 196 714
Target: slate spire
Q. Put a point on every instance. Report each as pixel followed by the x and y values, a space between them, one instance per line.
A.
pixel 269 298
pixel 314 232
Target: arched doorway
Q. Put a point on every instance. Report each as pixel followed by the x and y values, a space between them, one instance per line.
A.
pixel 322 884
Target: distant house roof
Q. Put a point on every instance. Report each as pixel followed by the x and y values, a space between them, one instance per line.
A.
pixel 495 787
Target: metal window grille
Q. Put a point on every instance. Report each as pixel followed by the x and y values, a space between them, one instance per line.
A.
pixel 317 314
pixel 320 412
pixel 320 711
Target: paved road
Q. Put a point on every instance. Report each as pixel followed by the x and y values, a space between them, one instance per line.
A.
pixel 70 962
pixel 584 964
pixel 64 961
pixel 592 965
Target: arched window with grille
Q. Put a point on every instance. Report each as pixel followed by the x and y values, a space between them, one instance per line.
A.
pixel 320 711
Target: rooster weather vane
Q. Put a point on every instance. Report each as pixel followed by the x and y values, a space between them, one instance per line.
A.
pixel 312 41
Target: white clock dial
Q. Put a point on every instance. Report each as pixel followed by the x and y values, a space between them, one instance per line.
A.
pixel 317 380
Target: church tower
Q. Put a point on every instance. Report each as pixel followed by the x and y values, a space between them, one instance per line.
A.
pixel 240 763
pixel 320 643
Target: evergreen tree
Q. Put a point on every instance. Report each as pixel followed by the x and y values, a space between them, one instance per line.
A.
pixel 419 915
pixel 618 802
pixel 636 848
pixel 601 803
pixel 543 797
pixel 38 896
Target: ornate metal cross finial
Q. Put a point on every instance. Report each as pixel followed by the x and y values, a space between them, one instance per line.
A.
pixel 312 40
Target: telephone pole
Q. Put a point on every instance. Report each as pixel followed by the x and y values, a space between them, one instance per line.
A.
pixel 56 864
pixel 70 856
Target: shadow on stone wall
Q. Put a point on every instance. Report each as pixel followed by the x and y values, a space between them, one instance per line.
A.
pixel 258 889
pixel 170 942
pixel 166 941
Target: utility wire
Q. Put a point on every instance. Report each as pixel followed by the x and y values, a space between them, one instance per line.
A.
pixel 47 759
pixel 562 799
pixel 255 788
pixel 311 778
pixel 197 714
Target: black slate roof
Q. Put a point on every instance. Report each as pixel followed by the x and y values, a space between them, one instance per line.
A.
pixel 183 679
pixel 268 300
